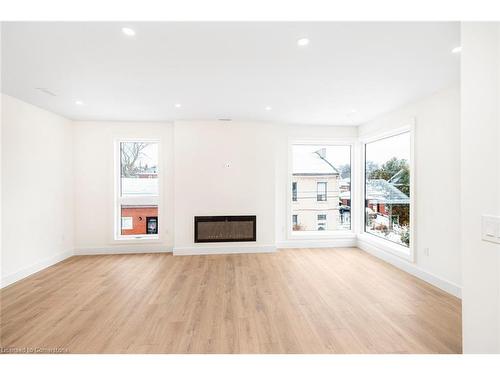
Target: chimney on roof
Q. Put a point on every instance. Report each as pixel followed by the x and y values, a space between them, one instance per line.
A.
pixel 321 153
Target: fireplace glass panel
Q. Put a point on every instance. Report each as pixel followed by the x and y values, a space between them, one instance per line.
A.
pixel 225 228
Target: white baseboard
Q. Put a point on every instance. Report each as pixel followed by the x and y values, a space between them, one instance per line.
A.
pixel 305 244
pixel 212 250
pixel 34 268
pixel 411 268
pixel 132 249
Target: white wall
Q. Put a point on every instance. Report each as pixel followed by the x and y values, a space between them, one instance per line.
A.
pixel 480 185
pixel 196 153
pixel 94 185
pixel 37 184
pixel 205 186
pixel 1 172
pixel 437 183
pixel 256 181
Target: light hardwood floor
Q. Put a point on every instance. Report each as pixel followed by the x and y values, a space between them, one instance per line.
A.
pixel 291 301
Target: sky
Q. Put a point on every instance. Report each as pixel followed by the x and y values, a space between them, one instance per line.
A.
pixel 337 155
pixel 382 150
pixel 149 155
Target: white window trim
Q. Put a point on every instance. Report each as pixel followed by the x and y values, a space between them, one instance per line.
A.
pixel 136 200
pixel 401 251
pixel 322 235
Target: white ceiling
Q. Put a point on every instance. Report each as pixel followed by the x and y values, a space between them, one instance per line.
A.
pixel 228 70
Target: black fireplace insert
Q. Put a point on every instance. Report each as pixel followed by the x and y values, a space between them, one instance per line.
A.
pixel 225 228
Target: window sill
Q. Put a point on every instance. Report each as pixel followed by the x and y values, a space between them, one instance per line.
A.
pixel 136 239
pixel 387 246
pixel 322 235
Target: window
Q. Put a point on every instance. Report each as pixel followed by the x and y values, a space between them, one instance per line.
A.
pixel 387 188
pixel 127 223
pixel 294 191
pixel 321 222
pixel 321 191
pixel 152 225
pixel 138 190
pixel 323 173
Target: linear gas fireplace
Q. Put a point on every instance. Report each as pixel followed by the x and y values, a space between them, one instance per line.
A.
pixel 225 228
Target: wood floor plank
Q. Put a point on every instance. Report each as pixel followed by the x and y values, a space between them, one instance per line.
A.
pixel 291 301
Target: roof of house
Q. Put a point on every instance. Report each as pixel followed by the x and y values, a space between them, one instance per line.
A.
pixel 139 186
pixel 345 195
pixel 384 192
pixel 345 182
pixel 307 163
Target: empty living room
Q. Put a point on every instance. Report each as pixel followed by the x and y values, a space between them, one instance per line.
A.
pixel 249 187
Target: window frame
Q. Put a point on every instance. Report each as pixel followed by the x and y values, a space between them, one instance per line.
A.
pixel 291 235
pixel 294 191
pixel 118 200
pixel 325 183
pixel 318 215
pixel 407 253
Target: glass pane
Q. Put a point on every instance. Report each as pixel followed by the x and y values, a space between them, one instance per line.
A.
pixel 139 220
pixel 321 188
pixel 139 168
pixel 387 190
pixel 322 191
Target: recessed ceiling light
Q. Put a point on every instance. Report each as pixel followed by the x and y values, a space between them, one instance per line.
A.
pixel 268 108
pixel 178 105
pixel 302 42
pixel 78 102
pixel 128 31
pixel 457 49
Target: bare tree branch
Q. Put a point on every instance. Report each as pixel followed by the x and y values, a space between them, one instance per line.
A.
pixel 130 152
